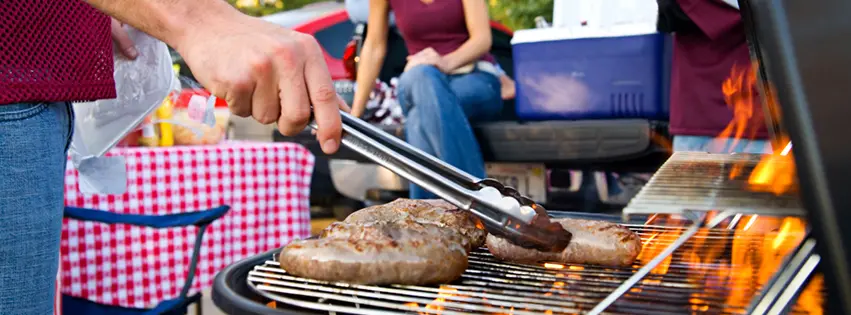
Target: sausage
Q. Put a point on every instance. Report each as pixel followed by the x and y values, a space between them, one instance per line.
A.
pixel 594 242
pixel 436 212
pixel 357 230
pixel 378 254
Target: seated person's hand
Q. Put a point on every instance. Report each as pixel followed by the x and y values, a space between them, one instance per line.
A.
pixel 427 56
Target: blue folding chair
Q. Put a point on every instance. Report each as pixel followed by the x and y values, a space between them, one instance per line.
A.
pixel 179 305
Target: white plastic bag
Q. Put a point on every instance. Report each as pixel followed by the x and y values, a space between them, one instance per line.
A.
pixel 141 85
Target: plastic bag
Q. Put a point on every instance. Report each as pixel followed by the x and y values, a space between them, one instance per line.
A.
pixel 141 86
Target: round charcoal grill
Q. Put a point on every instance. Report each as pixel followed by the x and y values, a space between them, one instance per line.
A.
pixel 259 286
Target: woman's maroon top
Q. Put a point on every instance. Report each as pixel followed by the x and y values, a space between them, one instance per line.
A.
pixel 54 50
pixel 702 61
pixel 439 24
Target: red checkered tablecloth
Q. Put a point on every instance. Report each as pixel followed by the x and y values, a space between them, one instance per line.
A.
pixel 266 184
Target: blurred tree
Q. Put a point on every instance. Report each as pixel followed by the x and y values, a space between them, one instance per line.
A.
pixel 520 14
pixel 264 7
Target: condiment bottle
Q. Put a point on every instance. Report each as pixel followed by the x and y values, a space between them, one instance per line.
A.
pixel 163 114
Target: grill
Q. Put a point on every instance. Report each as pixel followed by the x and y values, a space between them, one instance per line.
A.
pixel 707 271
pixel 683 285
pixel 699 261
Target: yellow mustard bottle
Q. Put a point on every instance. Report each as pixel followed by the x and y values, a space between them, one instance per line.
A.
pixel 149 134
pixel 163 113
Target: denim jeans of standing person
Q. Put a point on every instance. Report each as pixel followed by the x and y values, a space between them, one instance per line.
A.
pixel 34 139
pixel 720 145
pixel 438 110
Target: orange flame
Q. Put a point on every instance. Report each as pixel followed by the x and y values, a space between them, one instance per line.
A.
pixel 775 172
pixel 739 95
pixel 436 306
pixel 741 260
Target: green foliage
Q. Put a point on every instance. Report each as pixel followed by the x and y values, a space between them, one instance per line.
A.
pixel 264 7
pixel 520 14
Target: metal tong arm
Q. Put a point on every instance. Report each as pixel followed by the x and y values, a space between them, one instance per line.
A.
pixel 444 180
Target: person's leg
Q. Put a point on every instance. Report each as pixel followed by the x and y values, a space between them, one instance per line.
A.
pixel 479 95
pixel 436 120
pixel 33 142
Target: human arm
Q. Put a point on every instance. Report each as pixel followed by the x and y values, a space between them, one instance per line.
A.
pixel 262 70
pixel 479 43
pixel 372 54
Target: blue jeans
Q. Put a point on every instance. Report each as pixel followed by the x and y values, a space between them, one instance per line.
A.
pixel 438 110
pixel 718 145
pixel 34 139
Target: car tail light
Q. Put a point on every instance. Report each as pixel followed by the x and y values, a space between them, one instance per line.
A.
pixel 350 59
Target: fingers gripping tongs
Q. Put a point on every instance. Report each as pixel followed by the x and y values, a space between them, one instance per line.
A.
pixel 504 212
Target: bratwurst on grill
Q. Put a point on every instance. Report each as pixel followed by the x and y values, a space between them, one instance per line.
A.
pixel 379 253
pixel 402 242
pixel 594 242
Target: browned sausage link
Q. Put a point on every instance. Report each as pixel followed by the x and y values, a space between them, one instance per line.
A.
pixel 383 253
pixel 594 242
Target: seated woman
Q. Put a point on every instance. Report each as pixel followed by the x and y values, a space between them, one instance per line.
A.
pixel 450 78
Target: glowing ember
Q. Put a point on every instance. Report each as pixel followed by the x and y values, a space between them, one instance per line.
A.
pixel 553 266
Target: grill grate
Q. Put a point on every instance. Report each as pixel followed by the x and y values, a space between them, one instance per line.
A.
pixel 701 182
pixel 688 282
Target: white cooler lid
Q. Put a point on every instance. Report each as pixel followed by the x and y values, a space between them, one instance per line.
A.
pixel 556 34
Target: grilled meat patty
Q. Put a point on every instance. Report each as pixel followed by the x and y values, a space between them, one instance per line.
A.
pixel 378 253
pixel 594 242
pixel 353 230
pixel 438 212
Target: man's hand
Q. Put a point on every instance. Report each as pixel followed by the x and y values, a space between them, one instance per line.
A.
pixel 122 40
pixel 427 56
pixel 269 73
pixel 262 70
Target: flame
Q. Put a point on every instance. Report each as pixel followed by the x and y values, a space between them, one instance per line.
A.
pixel 811 299
pixel 739 95
pixel 436 306
pixel 756 263
pixel 739 261
pixel 775 173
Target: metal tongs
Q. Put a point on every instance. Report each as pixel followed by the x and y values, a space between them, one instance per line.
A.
pixel 503 210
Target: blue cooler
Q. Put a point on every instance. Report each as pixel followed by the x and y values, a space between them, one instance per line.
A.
pixel 591 78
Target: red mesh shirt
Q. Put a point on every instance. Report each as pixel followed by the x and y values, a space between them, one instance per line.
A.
pixel 54 50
